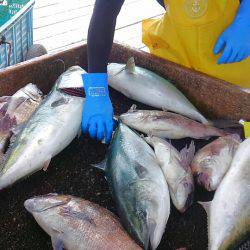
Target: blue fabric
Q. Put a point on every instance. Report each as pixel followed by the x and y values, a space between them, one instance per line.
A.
pixel 234 42
pixel 97 116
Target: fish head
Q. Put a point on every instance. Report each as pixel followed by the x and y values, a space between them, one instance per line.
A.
pixel 72 78
pixel 184 194
pixel 130 117
pixel 115 70
pixel 30 91
pixel 45 202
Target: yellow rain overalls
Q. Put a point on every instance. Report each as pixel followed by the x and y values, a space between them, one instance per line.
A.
pixel 188 32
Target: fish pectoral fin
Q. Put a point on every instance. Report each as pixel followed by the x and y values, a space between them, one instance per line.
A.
pixel 57 243
pixel 102 165
pixel 46 165
pixel 130 66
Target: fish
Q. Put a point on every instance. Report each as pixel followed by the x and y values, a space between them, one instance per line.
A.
pixel 176 168
pixel 145 86
pixel 51 128
pixel 4 100
pixel 211 163
pixel 77 224
pixel 138 187
pixel 168 125
pixel 18 109
pixel 229 211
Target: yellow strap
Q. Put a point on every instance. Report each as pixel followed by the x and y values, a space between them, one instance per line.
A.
pixel 247 129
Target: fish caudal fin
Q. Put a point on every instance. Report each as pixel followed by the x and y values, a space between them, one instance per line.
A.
pixel 130 66
pixel 226 123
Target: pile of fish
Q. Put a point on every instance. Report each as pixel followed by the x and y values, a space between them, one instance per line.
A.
pixel 144 172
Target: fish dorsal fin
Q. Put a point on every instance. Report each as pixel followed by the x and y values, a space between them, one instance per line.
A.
pixel 102 165
pixel 133 108
pixel 207 207
pixel 130 66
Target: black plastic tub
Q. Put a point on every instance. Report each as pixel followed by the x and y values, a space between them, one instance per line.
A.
pixel 71 173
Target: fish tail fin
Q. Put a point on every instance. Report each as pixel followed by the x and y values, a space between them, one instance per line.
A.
pixel 130 66
pixel 187 155
pixel 102 165
pixel 225 123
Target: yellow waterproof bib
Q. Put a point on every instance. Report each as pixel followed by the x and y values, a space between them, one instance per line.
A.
pixel 188 32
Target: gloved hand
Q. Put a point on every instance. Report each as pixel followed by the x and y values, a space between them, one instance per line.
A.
pixel 235 40
pixel 97 116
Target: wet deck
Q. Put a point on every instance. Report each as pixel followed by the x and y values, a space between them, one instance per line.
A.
pixel 61 23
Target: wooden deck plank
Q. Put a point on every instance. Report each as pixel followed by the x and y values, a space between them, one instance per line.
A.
pixel 60 24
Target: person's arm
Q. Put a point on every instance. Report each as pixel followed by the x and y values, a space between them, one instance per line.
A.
pixel 234 42
pixel 101 34
pixel 161 2
pixel 97 115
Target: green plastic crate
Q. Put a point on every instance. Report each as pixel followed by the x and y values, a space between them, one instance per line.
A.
pixel 16 30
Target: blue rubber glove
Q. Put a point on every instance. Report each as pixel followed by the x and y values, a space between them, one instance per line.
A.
pixel 234 42
pixel 97 116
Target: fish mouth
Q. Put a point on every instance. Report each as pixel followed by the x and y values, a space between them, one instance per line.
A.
pixel 78 92
pixel 188 189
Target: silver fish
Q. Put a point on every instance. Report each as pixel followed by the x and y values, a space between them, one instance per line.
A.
pixel 212 162
pixel 229 213
pixel 19 108
pixel 167 124
pixel 77 224
pixel 144 86
pixel 176 168
pixel 138 186
pixel 49 130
